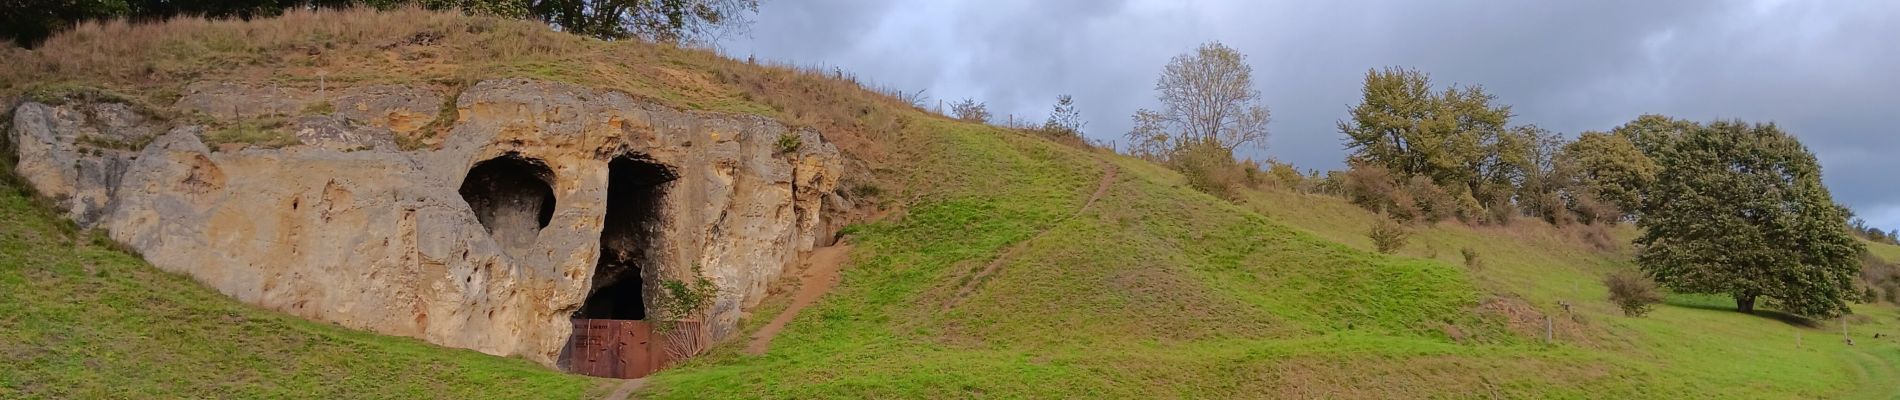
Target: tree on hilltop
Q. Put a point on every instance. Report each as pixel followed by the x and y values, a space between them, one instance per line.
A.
pixel 1457 136
pixel 1207 96
pixel 1064 119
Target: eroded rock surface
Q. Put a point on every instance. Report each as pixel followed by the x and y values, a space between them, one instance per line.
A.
pixel 347 228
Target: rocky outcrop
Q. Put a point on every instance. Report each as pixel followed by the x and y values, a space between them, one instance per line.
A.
pixel 345 227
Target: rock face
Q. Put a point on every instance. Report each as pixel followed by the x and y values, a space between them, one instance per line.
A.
pixel 490 240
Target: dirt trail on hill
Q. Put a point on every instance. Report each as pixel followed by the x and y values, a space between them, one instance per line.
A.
pixel 626 389
pixel 820 275
pixel 1109 172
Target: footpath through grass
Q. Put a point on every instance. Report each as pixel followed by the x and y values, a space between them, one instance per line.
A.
pixel 81 320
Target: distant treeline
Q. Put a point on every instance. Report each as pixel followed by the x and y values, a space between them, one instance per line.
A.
pixel 673 21
pixel 1724 207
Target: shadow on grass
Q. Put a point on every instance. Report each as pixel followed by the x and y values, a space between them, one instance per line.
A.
pixel 1718 305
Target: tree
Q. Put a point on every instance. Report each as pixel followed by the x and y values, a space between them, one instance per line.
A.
pixel 1456 137
pixel 1064 119
pixel 1611 168
pixel 970 110
pixel 1739 209
pixel 27 23
pixel 1206 96
pixel 1651 132
pixel 665 21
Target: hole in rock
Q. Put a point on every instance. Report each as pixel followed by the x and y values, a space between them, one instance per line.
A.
pixel 512 197
pixel 635 187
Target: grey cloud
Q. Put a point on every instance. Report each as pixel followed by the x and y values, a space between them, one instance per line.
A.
pixel 1823 70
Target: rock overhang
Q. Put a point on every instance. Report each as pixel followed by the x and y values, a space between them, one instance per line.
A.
pixel 348 228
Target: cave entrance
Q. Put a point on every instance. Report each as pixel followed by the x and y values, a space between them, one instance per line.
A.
pixel 513 197
pixel 635 186
pixel 611 335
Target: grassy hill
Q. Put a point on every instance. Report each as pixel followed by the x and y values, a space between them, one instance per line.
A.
pixel 80 318
pixel 1152 290
pixel 1161 291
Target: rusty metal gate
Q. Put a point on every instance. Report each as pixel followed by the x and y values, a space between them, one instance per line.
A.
pixel 627 349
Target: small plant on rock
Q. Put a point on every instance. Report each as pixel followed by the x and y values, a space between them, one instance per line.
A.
pixel 680 300
pixel 789 142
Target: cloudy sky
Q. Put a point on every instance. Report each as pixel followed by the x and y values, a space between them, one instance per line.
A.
pixel 1829 72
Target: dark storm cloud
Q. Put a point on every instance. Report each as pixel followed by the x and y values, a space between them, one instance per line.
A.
pixel 1823 70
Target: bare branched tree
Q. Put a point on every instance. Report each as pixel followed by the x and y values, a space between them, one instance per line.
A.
pixel 1206 96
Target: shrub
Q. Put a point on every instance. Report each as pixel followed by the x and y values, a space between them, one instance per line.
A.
pixel 1333 183
pixel 1470 210
pixel 788 142
pixel 1209 168
pixel 1590 210
pixel 1632 292
pixel 1401 205
pixel 1597 236
pixel 1471 258
pixel 683 300
pixel 1285 176
pixel 1501 212
pixel 1369 186
pixel 1252 176
pixel 1550 205
pixel 970 110
pixel 1388 235
pixel 1882 278
pixel 1432 202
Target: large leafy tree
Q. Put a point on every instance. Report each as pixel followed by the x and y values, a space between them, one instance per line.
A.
pixel 27 22
pixel 1739 209
pixel 1650 132
pixel 666 21
pixel 1457 136
pixel 1207 96
pixel 1610 168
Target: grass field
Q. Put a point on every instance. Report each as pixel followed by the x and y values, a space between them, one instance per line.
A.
pixel 80 319
pixel 1160 291
pixel 1156 290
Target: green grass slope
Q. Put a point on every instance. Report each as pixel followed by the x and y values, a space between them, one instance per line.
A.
pixel 1161 291
pixel 1155 290
pixel 80 319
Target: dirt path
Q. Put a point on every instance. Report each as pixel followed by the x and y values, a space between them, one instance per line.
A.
pixel 969 286
pixel 820 275
pixel 626 389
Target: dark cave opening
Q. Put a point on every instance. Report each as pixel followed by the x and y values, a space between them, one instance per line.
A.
pixel 635 187
pixel 512 196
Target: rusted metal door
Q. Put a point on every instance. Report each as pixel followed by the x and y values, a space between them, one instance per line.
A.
pixel 613 348
pixel 627 349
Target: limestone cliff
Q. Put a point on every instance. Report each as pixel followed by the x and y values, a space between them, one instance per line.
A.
pixel 344 225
